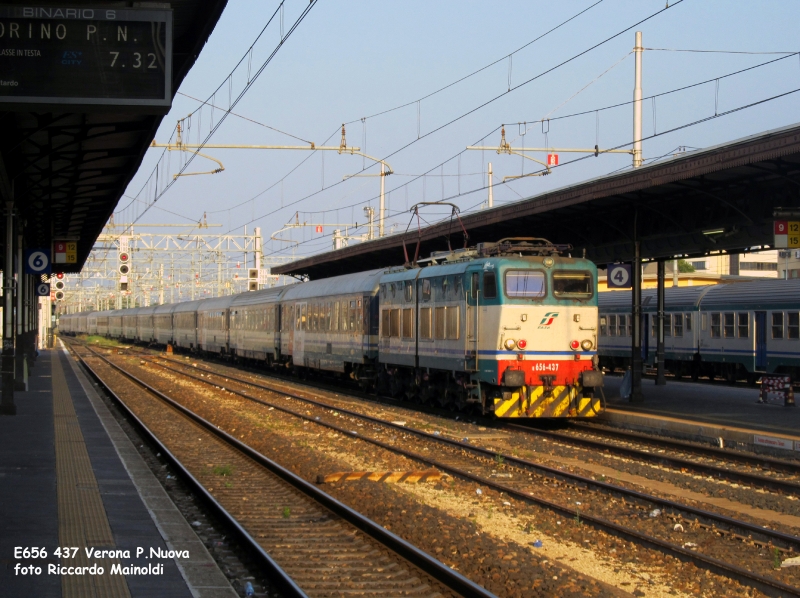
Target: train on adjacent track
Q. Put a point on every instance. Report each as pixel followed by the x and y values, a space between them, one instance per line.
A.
pixel 507 328
pixel 734 331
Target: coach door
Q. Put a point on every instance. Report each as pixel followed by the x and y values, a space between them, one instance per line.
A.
pixel 646 337
pixel 299 354
pixel 761 340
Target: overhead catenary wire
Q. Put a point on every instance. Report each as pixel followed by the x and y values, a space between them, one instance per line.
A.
pixel 513 89
pixel 251 81
pixel 655 135
pixel 545 129
pixel 477 71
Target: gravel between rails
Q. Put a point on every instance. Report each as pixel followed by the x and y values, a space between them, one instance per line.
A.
pixel 324 555
pixel 406 441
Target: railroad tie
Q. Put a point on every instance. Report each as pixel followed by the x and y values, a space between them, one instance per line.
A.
pixel 410 477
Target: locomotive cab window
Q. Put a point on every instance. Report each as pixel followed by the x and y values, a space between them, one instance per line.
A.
pixel 526 284
pixel 572 285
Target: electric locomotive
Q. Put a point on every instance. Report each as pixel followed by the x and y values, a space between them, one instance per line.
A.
pixel 509 327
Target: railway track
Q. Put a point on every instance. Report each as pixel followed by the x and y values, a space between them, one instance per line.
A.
pixel 476 464
pixel 312 544
pixel 776 475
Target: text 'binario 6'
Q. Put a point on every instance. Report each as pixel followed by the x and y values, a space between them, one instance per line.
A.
pixel 85 57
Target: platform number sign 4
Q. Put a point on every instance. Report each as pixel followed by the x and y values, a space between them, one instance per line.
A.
pixel 619 276
pixel 37 261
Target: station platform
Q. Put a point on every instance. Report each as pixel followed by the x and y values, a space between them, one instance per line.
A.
pixel 707 412
pixel 71 478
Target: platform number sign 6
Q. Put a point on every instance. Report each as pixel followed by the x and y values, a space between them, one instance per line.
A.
pixel 619 276
pixel 37 261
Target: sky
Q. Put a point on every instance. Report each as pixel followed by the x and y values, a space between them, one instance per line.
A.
pixel 353 62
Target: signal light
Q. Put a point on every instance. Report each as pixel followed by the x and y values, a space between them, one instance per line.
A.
pixel 59 295
pixel 124 257
pixel 124 269
pixel 59 275
pixel 574 345
pixel 59 285
pixel 252 285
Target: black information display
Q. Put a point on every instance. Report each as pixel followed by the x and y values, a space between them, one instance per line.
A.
pixel 85 56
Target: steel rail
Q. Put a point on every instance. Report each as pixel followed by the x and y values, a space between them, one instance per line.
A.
pixel 710 451
pixel 718 472
pixel 767 585
pixel 277 576
pixel 417 557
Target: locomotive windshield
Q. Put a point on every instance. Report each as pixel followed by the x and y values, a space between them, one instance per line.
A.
pixel 526 284
pixel 572 285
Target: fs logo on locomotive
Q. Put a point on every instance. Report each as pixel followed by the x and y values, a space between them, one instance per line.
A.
pixel 548 319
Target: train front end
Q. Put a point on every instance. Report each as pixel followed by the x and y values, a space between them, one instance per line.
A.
pixel 538 322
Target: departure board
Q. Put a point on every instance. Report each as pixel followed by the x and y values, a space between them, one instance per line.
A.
pixel 73 57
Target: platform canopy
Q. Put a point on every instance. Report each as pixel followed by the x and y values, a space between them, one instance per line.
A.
pixel 722 198
pixel 66 166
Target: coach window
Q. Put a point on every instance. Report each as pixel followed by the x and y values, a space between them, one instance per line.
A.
pixel 730 328
pixel 335 315
pixel 303 318
pixel 716 325
pixel 743 324
pixel 612 325
pixel 688 322
pixel 489 285
pixel 603 326
pixel 527 284
pixel 667 324
pixel 353 316
pixel 777 324
pixel 793 325
pixel 677 324
pixel 409 291
pixel 569 284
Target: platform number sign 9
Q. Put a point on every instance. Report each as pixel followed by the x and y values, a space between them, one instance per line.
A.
pixel 619 276
pixel 37 261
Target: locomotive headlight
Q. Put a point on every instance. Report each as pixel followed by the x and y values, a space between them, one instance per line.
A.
pixel 574 345
pixel 522 343
pixel 510 344
pixel 586 345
